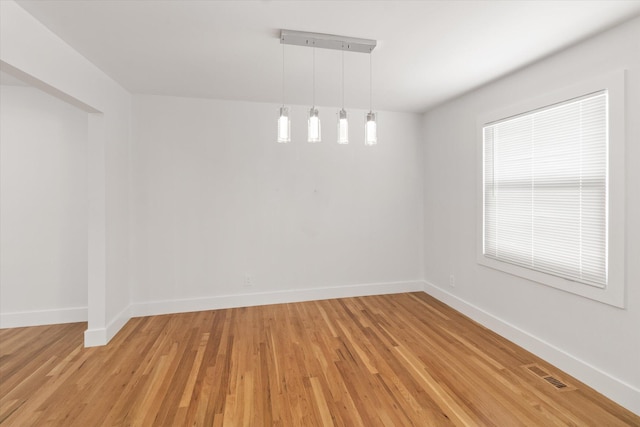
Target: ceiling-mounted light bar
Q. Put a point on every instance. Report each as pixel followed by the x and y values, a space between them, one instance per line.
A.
pixel 327 41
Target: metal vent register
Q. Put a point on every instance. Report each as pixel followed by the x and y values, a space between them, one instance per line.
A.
pixel 549 379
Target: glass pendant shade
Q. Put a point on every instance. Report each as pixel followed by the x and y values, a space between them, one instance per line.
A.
pixel 343 127
pixel 370 129
pixel 313 133
pixel 284 126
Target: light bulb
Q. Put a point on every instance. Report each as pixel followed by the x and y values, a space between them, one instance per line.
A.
pixel 370 129
pixel 314 126
pixel 284 125
pixel 343 127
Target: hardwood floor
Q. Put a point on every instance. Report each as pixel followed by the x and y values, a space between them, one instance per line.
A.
pixel 394 360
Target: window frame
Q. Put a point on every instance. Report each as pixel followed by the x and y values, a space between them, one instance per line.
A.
pixel 614 292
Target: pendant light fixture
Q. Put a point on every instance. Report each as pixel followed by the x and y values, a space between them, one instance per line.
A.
pixel 313 125
pixel 284 122
pixel 327 41
pixel 370 125
pixel 343 123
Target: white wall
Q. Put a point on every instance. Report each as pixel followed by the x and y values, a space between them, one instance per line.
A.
pixel 212 197
pixel 215 198
pixel 598 343
pixel 30 49
pixel 43 209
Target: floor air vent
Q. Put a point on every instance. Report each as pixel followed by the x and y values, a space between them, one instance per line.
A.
pixel 554 382
pixel 541 373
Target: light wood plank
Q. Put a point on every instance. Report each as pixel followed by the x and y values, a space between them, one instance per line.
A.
pixel 390 360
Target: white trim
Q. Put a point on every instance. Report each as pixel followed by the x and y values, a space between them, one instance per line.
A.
pixel 97 222
pixel 614 293
pixel 43 317
pixel 102 336
pixel 614 388
pixel 95 337
pixel 153 308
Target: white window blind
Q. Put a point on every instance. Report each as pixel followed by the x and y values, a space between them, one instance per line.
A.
pixel 545 190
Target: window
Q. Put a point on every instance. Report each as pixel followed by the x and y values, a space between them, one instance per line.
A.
pixel 545 178
pixel 545 190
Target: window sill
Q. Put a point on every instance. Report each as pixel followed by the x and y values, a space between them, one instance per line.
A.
pixel 610 295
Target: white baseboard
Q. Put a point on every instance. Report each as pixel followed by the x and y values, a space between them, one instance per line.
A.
pixel 153 308
pixel 43 317
pixel 101 336
pixel 615 389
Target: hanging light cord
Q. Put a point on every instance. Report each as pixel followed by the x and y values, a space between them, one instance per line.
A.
pixel 343 77
pixel 370 84
pixel 283 74
pixel 314 77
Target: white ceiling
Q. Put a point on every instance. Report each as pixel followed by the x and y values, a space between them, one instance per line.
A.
pixel 428 51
